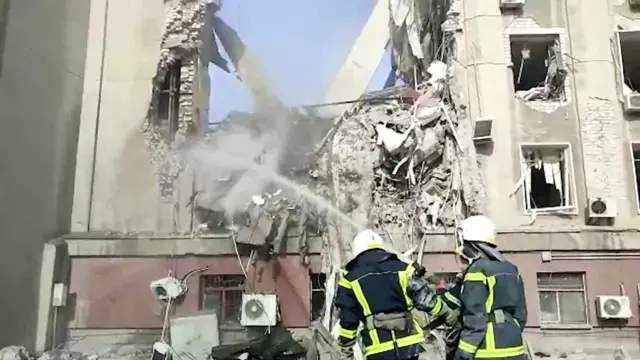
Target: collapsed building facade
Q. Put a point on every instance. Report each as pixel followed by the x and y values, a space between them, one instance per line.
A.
pixel 511 112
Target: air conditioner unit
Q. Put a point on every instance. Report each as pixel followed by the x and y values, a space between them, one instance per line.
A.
pixel 512 3
pixel 482 131
pixel 632 102
pixel 613 307
pixel 634 4
pixel 259 310
pixel 600 208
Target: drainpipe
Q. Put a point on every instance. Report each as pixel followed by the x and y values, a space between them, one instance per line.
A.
pixel 98 108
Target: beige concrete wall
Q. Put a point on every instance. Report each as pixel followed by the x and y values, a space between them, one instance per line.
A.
pixel 116 177
pixel 41 86
pixel 591 120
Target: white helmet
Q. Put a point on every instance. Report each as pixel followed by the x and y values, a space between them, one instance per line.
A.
pixel 478 228
pixel 365 240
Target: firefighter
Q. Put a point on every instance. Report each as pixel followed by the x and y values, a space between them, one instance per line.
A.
pixel 492 297
pixel 372 291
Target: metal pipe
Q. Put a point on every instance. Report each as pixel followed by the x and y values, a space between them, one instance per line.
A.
pixel 98 108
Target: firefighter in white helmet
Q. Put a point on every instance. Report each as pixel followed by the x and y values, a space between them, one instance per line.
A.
pixel 372 291
pixel 492 299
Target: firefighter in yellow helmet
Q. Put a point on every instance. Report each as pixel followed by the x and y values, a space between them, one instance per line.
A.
pixel 373 292
pixel 492 298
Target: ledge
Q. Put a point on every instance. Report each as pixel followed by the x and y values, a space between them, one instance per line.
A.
pixel 525 240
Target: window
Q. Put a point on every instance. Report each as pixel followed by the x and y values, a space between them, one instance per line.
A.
pixel 168 104
pixel 629 46
pixel 548 182
pixel 223 294
pixel 562 298
pixel 317 295
pixel 635 151
pixel 538 71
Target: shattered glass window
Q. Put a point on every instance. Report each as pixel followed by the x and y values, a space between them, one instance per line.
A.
pixel 547 178
pixel 317 294
pixel 223 294
pixel 562 298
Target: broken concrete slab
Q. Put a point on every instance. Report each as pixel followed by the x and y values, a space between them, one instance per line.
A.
pixel 192 337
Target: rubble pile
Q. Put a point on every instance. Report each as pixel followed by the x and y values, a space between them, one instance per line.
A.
pixel 417 179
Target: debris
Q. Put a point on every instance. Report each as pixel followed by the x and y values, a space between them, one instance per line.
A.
pixel 60 354
pixel 193 336
pixel 14 353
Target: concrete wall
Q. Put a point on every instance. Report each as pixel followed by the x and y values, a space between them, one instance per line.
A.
pixel 120 162
pixel 114 292
pixel 591 120
pixel 41 85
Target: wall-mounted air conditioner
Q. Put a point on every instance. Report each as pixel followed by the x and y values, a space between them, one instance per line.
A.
pixel 482 130
pixel 259 310
pixel 601 208
pixel 613 307
pixel 512 3
pixel 632 102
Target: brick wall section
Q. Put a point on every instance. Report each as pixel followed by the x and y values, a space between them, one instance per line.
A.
pixel 601 138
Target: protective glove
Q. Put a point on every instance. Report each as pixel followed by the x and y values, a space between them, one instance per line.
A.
pixel 419 291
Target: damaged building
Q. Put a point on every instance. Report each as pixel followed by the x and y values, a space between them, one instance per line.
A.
pixel 520 110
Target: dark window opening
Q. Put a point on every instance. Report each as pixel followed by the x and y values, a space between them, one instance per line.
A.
pixel 636 170
pixel 223 294
pixel 562 298
pixel 168 102
pixel 211 221
pixel 317 294
pixel 538 72
pixel 547 178
pixel 630 52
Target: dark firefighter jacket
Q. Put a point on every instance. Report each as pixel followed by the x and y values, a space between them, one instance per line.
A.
pixel 375 283
pixel 493 311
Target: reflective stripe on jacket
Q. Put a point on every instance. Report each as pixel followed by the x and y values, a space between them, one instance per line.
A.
pixel 493 310
pixel 375 283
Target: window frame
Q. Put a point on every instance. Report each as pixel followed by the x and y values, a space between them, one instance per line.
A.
pixel 313 290
pixel 204 290
pixel 172 93
pixel 619 63
pixel 569 179
pixel 635 172
pixel 557 291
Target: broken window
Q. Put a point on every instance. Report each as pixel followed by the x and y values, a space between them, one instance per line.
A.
pixel 562 298
pixel 223 294
pixel 629 45
pixel 635 149
pixel 317 294
pixel 538 72
pixel 547 178
pixel 168 102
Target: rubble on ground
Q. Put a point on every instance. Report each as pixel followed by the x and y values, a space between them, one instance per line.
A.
pixel 20 353
pixel 14 353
